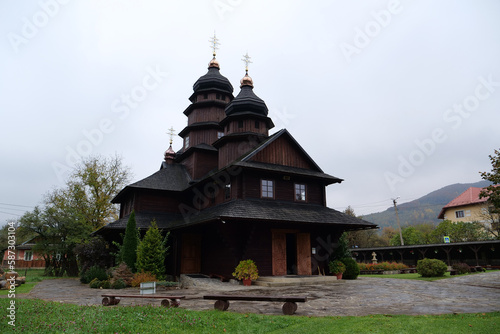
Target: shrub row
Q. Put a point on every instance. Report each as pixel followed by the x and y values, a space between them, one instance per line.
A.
pixel 382 266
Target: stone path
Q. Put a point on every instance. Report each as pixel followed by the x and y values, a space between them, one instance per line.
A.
pixel 364 296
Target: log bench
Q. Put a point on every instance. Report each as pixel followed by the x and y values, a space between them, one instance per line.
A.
pixel 168 301
pixel 289 307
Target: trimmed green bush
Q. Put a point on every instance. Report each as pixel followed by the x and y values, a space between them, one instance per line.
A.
pixel 95 283
pixel 351 268
pixel 105 284
pixel 93 272
pixel 461 268
pixel 118 284
pixel 431 268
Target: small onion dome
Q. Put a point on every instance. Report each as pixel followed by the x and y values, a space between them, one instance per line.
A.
pixel 169 154
pixel 246 81
pixel 213 63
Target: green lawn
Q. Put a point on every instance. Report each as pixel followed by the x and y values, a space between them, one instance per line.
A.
pixel 35 316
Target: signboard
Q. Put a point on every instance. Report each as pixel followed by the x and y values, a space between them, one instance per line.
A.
pixel 148 288
pixel 446 239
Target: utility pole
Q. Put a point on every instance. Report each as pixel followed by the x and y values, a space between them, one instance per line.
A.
pixel 397 218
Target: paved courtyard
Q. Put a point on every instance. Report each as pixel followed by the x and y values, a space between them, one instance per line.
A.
pixel 364 296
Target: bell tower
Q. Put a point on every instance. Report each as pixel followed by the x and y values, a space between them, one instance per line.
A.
pixel 212 93
pixel 246 123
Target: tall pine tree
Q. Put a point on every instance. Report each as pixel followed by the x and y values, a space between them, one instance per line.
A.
pixel 152 251
pixel 128 251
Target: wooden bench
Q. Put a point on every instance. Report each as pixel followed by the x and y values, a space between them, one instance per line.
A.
pixel 289 307
pixel 168 301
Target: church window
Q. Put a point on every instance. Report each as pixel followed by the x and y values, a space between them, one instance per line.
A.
pixel 205 96
pixel 300 192
pixel 186 142
pixel 257 125
pixel 217 96
pixel 240 124
pixel 220 134
pixel 227 191
pixel 267 188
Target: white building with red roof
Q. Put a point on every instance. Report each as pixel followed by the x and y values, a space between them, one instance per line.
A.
pixel 467 207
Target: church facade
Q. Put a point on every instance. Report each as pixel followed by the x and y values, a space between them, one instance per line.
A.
pixel 234 192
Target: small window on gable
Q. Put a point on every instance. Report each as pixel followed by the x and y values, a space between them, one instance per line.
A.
pixel 257 124
pixel 300 192
pixel 220 134
pixel 227 191
pixel 459 214
pixel 186 142
pixel 28 255
pixel 240 124
pixel 267 188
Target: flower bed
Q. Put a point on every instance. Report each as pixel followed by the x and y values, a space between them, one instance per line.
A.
pixel 381 268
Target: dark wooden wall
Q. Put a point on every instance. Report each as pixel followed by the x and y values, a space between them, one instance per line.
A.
pixel 156 201
pixel 284 189
pixel 282 152
pixel 206 114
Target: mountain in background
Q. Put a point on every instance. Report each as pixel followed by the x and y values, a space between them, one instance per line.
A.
pixel 422 210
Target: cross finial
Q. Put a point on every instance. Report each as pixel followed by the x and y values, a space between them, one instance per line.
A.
pixel 214 43
pixel 171 133
pixel 246 60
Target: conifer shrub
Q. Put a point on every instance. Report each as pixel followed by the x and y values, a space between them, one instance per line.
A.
pixel 431 268
pixel 143 277
pixel 95 283
pixel 130 242
pixel 118 284
pixel 461 268
pixel 122 272
pixel 105 284
pixel 151 252
pixel 351 268
pixel 94 272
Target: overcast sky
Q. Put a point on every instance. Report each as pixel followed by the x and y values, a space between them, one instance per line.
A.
pixel 398 98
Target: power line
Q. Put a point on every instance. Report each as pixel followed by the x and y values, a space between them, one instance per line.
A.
pixel 5 208
pixel 23 206
pixel 14 214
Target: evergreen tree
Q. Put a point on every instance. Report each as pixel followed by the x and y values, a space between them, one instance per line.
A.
pixel 130 242
pixel 152 251
pixel 342 251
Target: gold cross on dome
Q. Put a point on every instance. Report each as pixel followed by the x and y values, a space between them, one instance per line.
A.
pixel 171 133
pixel 214 43
pixel 246 60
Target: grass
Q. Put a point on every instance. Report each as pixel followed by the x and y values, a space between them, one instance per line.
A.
pixel 35 316
pixel 417 276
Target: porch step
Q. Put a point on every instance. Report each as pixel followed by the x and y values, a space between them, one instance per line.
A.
pixel 291 280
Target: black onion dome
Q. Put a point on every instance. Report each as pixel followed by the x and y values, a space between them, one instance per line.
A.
pixel 247 102
pixel 213 79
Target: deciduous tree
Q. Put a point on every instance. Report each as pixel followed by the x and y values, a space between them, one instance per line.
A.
pixel 492 192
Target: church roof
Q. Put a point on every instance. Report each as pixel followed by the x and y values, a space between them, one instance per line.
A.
pixel 213 79
pixel 171 177
pixel 264 211
pixel 247 102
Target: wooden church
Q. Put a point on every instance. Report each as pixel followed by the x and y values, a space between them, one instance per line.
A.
pixel 234 192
